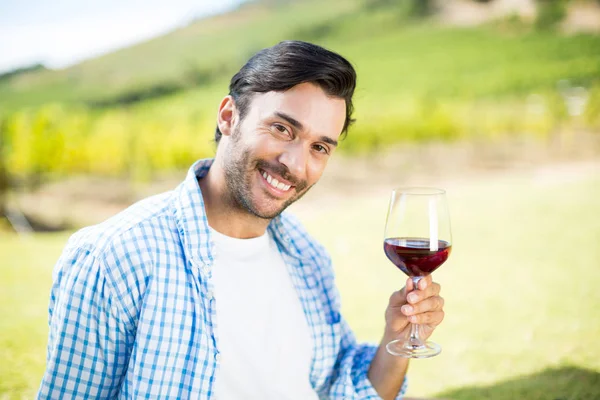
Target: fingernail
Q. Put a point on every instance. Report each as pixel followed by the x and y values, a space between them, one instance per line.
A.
pixel 412 297
pixel 412 319
pixel 407 309
pixel 422 284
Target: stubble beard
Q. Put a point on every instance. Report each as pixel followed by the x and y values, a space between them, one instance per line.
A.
pixel 239 171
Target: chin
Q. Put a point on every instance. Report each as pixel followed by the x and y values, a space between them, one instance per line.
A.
pixel 268 212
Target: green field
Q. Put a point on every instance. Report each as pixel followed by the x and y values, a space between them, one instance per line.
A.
pixel 521 287
pixel 150 108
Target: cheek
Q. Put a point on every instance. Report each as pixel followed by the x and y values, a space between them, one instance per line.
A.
pixel 266 145
pixel 315 170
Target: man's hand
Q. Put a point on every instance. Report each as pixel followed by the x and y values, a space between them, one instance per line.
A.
pixel 422 305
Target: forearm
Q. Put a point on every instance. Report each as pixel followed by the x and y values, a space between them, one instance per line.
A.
pixel 387 372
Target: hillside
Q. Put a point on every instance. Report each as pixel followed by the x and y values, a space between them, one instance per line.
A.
pixel 207 49
pixel 378 36
pixel 419 81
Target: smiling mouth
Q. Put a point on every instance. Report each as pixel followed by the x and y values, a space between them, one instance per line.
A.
pixel 274 183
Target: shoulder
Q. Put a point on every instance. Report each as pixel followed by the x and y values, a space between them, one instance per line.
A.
pixel 122 249
pixel 131 223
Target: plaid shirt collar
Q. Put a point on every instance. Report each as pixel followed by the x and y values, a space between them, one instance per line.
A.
pixel 192 223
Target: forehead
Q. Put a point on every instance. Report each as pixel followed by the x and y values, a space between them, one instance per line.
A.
pixel 306 103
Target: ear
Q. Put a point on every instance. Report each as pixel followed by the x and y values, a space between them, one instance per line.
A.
pixel 227 115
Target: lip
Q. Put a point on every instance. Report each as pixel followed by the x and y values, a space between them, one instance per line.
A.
pixel 271 189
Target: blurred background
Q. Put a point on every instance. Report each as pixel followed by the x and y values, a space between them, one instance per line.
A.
pixel 498 102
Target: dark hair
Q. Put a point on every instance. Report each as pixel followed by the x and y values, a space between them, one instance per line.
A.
pixel 288 64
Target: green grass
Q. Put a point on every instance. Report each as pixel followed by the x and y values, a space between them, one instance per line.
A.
pixel 25 280
pixel 520 287
pixel 565 382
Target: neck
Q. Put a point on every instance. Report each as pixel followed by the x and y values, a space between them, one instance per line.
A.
pixel 223 214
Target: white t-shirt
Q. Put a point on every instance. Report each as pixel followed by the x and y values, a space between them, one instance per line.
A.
pixel 263 337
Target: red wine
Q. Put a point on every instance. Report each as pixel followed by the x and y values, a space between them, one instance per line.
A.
pixel 413 255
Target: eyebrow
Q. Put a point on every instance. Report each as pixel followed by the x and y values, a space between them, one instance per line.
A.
pixel 298 125
pixel 329 140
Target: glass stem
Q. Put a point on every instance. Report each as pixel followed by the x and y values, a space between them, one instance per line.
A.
pixel 415 340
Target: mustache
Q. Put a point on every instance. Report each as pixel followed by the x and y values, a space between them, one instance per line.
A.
pixel 284 172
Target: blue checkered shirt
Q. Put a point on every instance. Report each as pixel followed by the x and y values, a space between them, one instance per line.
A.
pixel 132 312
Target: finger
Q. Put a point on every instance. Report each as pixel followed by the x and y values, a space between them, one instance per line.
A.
pixel 431 290
pixel 435 303
pixel 396 321
pixel 433 318
pixel 410 286
pixel 398 298
pixel 424 282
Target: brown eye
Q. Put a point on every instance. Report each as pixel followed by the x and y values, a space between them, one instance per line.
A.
pixel 282 131
pixel 280 128
pixel 321 149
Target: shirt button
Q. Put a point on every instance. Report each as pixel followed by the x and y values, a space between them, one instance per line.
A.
pixel 210 294
pixel 218 357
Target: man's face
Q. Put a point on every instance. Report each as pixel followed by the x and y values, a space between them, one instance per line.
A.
pixel 281 147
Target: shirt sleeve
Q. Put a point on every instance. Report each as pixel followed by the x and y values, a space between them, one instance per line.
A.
pixel 89 340
pixel 350 378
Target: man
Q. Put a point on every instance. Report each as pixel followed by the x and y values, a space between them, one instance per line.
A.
pixel 209 291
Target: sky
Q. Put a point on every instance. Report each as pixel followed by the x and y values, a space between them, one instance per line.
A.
pixel 60 33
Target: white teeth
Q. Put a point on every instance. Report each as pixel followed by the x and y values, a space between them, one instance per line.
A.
pixel 275 183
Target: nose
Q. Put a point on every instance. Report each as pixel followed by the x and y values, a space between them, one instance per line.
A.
pixel 295 157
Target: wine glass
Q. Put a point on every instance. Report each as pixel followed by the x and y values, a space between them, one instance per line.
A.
pixel 417 240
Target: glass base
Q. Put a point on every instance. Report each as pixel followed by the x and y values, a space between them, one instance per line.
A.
pixel 404 348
